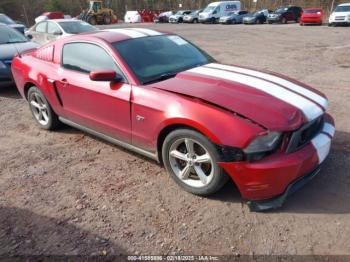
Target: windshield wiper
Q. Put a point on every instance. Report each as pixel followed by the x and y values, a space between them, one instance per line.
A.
pixel 161 78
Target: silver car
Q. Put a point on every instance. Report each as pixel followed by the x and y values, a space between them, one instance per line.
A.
pixel 233 17
pixel 49 30
pixel 193 17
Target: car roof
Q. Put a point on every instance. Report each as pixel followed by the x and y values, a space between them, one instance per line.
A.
pixel 117 35
pixel 64 20
pixel 316 8
pixel 346 4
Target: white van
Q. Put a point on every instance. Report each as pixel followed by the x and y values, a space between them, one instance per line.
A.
pixel 340 15
pixel 214 11
pixel 132 17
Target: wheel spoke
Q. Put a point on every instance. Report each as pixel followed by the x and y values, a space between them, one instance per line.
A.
pixel 189 146
pixel 45 116
pixel 35 104
pixel 184 173
pixel 202 176
pixel 40 115
pixel 178 155
pixel 203 159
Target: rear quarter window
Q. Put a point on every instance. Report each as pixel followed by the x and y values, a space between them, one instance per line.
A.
pixel 45 53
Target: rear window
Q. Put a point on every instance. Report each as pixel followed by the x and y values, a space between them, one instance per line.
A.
pixel 76 27
pixel 313 11
pixel 10 36
pixel 6 20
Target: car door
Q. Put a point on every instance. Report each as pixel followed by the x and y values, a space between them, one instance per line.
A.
pixel 53 31
pixel 101 106
pixel 241 14
pixel 290 14
pixel 39 32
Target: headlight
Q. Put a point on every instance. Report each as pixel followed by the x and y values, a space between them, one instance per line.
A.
pixel 2 65
pixel 264 143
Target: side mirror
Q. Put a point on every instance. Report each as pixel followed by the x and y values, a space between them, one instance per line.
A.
pixel 107 76
pixel 57 33
pixel 29 36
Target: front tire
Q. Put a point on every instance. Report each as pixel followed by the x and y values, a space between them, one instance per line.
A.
pixel 191 160
pixel 41 110
pixel 91 20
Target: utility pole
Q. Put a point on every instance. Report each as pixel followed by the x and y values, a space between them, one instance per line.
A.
pixel 25 14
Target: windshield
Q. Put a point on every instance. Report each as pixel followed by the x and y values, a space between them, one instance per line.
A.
pixel 151 58
pixel 209 9
pixel 180 12
pixel 312 11
pixel 76 27
pixel 6 20
pixel 344 8
pixel 10 36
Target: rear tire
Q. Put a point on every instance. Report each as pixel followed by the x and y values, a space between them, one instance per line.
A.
pixel 107 20
pixel 191 161
pixel 41 110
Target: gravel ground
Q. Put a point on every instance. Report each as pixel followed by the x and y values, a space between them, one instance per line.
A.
pixel 67 193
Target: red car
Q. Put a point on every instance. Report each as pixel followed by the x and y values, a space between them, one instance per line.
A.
pixel 159 95
pixel 312 16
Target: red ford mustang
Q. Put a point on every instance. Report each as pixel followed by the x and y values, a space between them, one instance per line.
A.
pixel 161 96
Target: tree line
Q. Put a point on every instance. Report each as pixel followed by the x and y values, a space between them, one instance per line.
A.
pixel 27 10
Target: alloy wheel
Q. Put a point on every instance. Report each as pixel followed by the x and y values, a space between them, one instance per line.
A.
pixel 191 162
pixel 39 109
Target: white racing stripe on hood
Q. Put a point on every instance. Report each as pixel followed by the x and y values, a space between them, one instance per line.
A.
pixel 310 109
pixel 127 32
pixel 146 31
pixel 296 88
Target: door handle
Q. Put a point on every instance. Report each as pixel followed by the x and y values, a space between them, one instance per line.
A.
pixel 64 82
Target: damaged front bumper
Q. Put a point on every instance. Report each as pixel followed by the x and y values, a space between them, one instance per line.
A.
pixel 276 202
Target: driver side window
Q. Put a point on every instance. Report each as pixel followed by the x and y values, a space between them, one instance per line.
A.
pixel 86 57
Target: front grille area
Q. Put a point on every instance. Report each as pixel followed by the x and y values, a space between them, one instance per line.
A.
pixel 340 18
pixel 305 134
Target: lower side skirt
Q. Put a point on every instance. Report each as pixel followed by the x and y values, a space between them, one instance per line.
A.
pixel 110 139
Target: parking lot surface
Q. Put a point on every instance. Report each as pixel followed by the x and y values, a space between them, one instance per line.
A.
pixel 66 192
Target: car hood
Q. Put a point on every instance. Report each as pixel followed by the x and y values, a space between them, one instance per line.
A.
pixel 275 102
pixel 8 51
